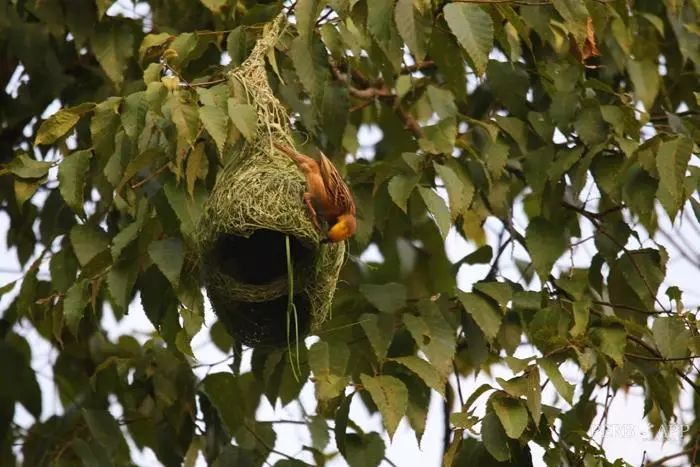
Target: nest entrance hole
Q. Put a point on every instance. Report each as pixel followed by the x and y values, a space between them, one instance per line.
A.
pixel 260 258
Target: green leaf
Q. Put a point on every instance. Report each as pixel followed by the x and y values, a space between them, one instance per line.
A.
pixel 581 310
pixel 400 188
pixel 672 337
pixel 380 24
pixel 133 114
pixel 391 397
pixel 414 23
pixel 341 423
pixel 105 430
pixel 460 189
pixel 71 178
pixel 575 14
pixel 318 428
pixel 437 207
pixel 113 44
pixel 551 369
pixel 645 80
pixel 24 166
pixel 328 361
pixel 168 254
pixel 425 371
pixel 60 123
pixel 434 336
pixel 365 450
pixel 485 314
pixel 215 121
pixel 533 396
pixel 511 413
pixel 120 282
pixel 387 298
pixel 473 28
pixel 306 12
pixel 546 242
pixel 611 340
pixel 87 242
pixel 184 115
pixel 380 332
pixel 74 303
pixel 125 236
pixel 494 437
pixel 671 162
pixel 221 389
pixel 244 118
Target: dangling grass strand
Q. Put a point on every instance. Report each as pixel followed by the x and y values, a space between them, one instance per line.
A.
pixel 294 360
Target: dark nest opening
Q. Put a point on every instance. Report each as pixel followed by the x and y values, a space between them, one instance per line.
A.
pixel 260 258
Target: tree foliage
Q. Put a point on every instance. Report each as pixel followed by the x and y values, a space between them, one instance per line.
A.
pixel 491 113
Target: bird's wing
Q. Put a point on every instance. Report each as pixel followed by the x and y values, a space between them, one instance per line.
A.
pixel 337 189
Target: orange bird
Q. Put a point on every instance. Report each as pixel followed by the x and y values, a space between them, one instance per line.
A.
pixel 327 195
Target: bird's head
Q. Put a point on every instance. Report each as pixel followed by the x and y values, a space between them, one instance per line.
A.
pixel 343 229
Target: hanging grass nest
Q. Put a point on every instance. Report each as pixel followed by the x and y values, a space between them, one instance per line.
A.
pixel 242 235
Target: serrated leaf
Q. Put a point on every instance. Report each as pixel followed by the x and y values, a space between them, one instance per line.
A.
pixel 184 115
pixel 125 236
pixel 494 437
pixel 425 371
pixel 243 117
pixel 551 369
pixel 168 254
pixel 113 44
pixel 215 121
pixel 306 12
pixel 60 123
pixel 437 207
pixel 473 28
pixel 512 414
pixel 87 242
pixel 611 340
pixel 133 114
pixel 197 167
pixel 380 24
pixel 575 14
pixel 391 397
pixel 105 430
pixel 387 298
pixel 71 178
pixel 23 166
pixel 328 361
pixel 120 282
pixel 414 21
pixel 220 389
pixel 485 314
pixel 672 337
pixel 546 242
pixel 379 329
pixel 400 188
pixel 671 162
pixel 434 336
pixel 366 450
pixel 74 304
pixel 460 190
pixel 645 80
pixel 533 396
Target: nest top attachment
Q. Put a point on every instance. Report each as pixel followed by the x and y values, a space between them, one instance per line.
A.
pixel 255 204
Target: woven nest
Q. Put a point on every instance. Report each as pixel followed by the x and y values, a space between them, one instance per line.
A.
pixel 255 203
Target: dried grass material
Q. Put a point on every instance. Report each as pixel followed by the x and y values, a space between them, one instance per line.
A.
pixel 255 203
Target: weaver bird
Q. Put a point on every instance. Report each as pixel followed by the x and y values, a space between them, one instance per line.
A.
pixel 327 195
